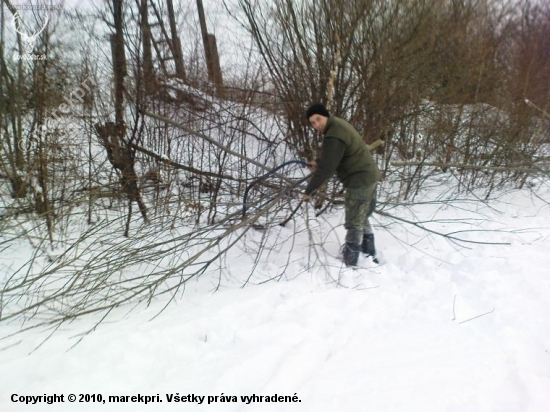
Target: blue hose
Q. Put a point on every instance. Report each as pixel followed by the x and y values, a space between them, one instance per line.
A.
pixel 272 171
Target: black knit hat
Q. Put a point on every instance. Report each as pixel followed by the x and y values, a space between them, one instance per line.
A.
pixel 317 109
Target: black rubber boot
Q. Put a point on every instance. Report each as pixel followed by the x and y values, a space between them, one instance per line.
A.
pixel 351 253
pixel 367 247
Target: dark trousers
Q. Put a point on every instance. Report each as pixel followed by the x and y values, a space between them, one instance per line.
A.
pixel 360 204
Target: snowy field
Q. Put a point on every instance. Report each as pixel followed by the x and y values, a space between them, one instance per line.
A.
pixel 437 327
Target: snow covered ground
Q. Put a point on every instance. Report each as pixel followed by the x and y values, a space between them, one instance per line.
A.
pixel 437 327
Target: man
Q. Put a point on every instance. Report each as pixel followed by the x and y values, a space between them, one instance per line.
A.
pixel 345 153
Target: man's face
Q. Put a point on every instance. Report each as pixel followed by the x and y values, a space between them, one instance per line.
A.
pixel 318 122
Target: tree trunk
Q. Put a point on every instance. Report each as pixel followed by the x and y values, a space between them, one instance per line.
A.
pixel 148 69
pixel 176 43
pixel 119 61
pixel 119 150
pixel 10 114
pixel 210 52
pixel 206 44
pixel 216 68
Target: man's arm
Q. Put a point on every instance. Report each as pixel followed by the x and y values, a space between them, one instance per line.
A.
pixel 333 151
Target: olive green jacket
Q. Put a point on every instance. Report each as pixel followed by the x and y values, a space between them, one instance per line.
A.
pixel 345 153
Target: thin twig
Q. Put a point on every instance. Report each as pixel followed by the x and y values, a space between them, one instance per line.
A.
pixel 478 316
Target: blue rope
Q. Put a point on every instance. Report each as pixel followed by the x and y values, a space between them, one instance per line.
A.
pixel 272 171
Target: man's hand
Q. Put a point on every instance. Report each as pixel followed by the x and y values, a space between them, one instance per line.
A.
pixel 312 165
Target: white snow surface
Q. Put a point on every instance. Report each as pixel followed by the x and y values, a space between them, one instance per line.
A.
pixel 436 327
